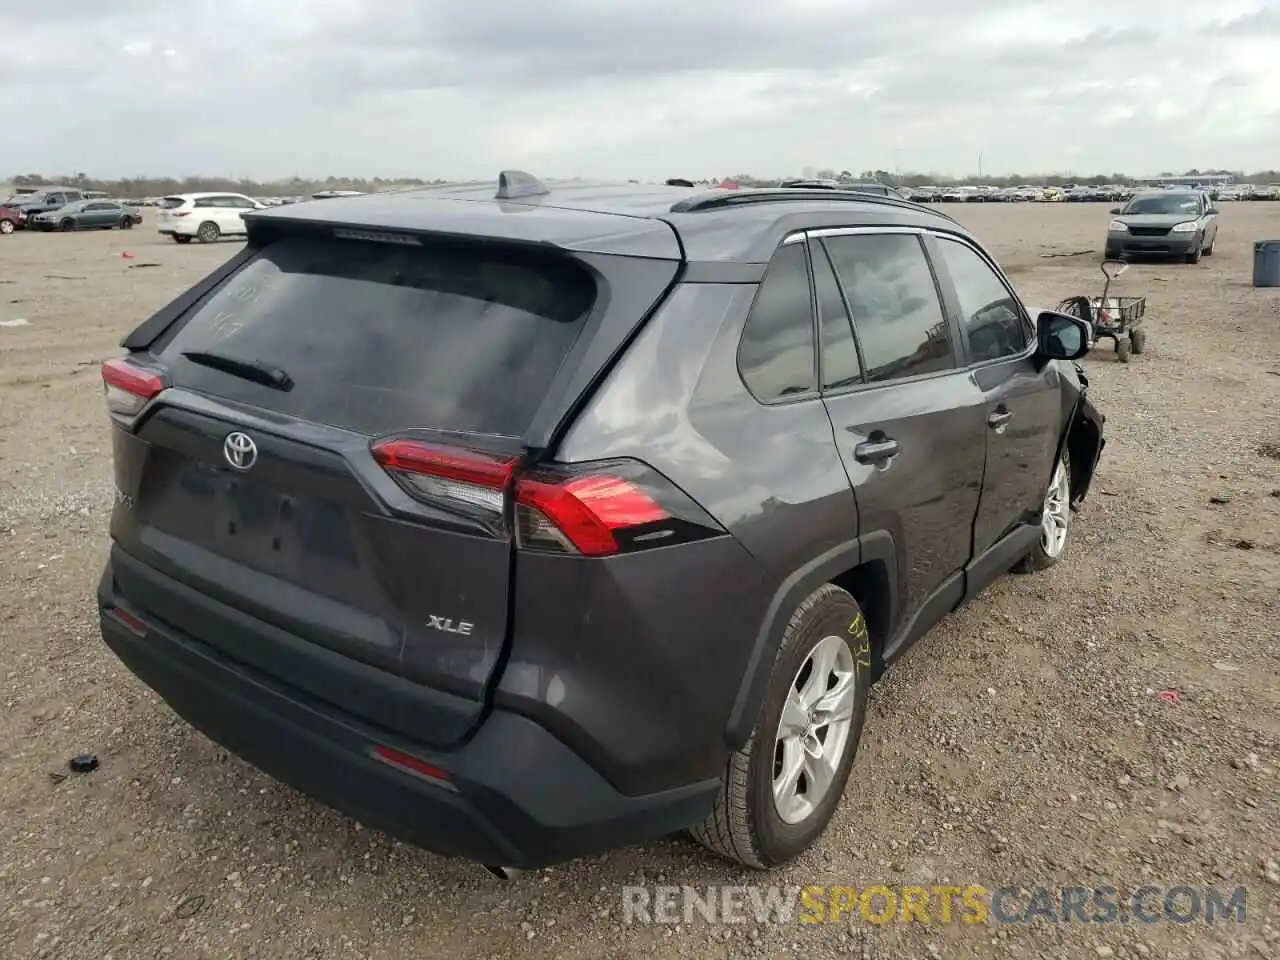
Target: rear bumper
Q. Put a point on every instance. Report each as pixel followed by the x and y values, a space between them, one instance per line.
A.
pixel 516 795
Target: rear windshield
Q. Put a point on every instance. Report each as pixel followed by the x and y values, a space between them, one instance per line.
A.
pixel 168 203
pixel 378 337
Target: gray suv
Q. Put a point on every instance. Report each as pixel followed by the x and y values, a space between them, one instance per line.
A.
pixel 527 525
pixel 1167 223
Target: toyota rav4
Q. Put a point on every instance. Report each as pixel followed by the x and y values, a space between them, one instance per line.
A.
pixel 527 525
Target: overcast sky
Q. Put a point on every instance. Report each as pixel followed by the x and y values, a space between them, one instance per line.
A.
pixel 623 88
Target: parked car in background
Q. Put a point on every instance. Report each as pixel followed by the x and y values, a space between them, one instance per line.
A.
pixel 1263 191
pixel 1230 193
pixel 87 215
pixel 204 216
pixel 48 198
pixel 1168 223
pixel 11 219
pixel 414 533
pixel 953 194
pixel 1053 195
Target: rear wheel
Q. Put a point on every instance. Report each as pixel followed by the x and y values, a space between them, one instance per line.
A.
pixel 1138 340
pixel 126 223
pixel 181 238
pixel 782 788
pixel 208 232
pixel 1122 349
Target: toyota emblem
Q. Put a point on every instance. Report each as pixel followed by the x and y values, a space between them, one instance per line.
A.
pixel 240 450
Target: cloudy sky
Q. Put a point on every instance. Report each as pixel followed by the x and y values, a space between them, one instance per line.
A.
pixel 623 88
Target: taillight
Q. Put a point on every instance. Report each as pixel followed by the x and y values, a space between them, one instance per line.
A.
pixel 594 510
pixel 179 213
pixel 128 386
pixel 449 476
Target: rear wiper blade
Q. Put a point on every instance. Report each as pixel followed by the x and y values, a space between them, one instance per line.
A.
pixel 252 370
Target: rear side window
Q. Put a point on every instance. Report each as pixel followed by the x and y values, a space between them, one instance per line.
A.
pixel 776 353
pixel 896 312
pixel 379 337
pixel 169 203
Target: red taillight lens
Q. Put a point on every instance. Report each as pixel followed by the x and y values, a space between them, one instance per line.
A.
pixel 128 386
pixel 581 513
pixel 179 213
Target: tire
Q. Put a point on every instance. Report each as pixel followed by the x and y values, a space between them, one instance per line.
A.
pixel 1208 251
pixel 6 227
pixel 126 223
pixel 208 232
pixel 1138 340
pixel 181 238
pixel 749 824
pixel 1194 255
pixel 1057 500
pixel 1122 349
pixel 67 225
pixel 1111 253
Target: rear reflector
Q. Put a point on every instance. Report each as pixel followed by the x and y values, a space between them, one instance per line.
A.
pixel 128 386
pixel 595 510
pixel 410 764
pixel 131 622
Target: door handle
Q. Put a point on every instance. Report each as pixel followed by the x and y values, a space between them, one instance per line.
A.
pixel 876 451
pixel 999 420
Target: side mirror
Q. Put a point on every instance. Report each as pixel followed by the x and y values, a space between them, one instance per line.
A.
pixel 1063 337
pixel 1115 210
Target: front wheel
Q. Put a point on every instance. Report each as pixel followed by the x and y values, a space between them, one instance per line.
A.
pixel 1194 255
pixel 1111 253
pixel 1122 348
pixel 67 225
pixel 1055 521
pixel 1138 340
pixel 782 788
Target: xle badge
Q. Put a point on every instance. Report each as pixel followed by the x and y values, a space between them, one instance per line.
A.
pixel 462 628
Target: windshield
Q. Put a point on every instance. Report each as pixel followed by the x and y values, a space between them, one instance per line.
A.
pixel 1178 203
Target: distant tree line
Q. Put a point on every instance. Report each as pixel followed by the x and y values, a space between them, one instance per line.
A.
pixel 130 188
pixel 139 187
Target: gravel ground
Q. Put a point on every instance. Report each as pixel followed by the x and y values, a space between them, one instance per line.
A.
pixel 1024 741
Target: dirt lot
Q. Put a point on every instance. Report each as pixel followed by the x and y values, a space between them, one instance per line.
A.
pixel 1025 741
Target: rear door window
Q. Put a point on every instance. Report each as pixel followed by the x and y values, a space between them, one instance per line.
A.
pixel 896 310
pixel 378 337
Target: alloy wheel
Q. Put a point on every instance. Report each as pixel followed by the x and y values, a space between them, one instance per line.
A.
pixel 813 731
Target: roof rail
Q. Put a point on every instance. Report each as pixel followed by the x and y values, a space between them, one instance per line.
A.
pixel 515 184
pixel 719 199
